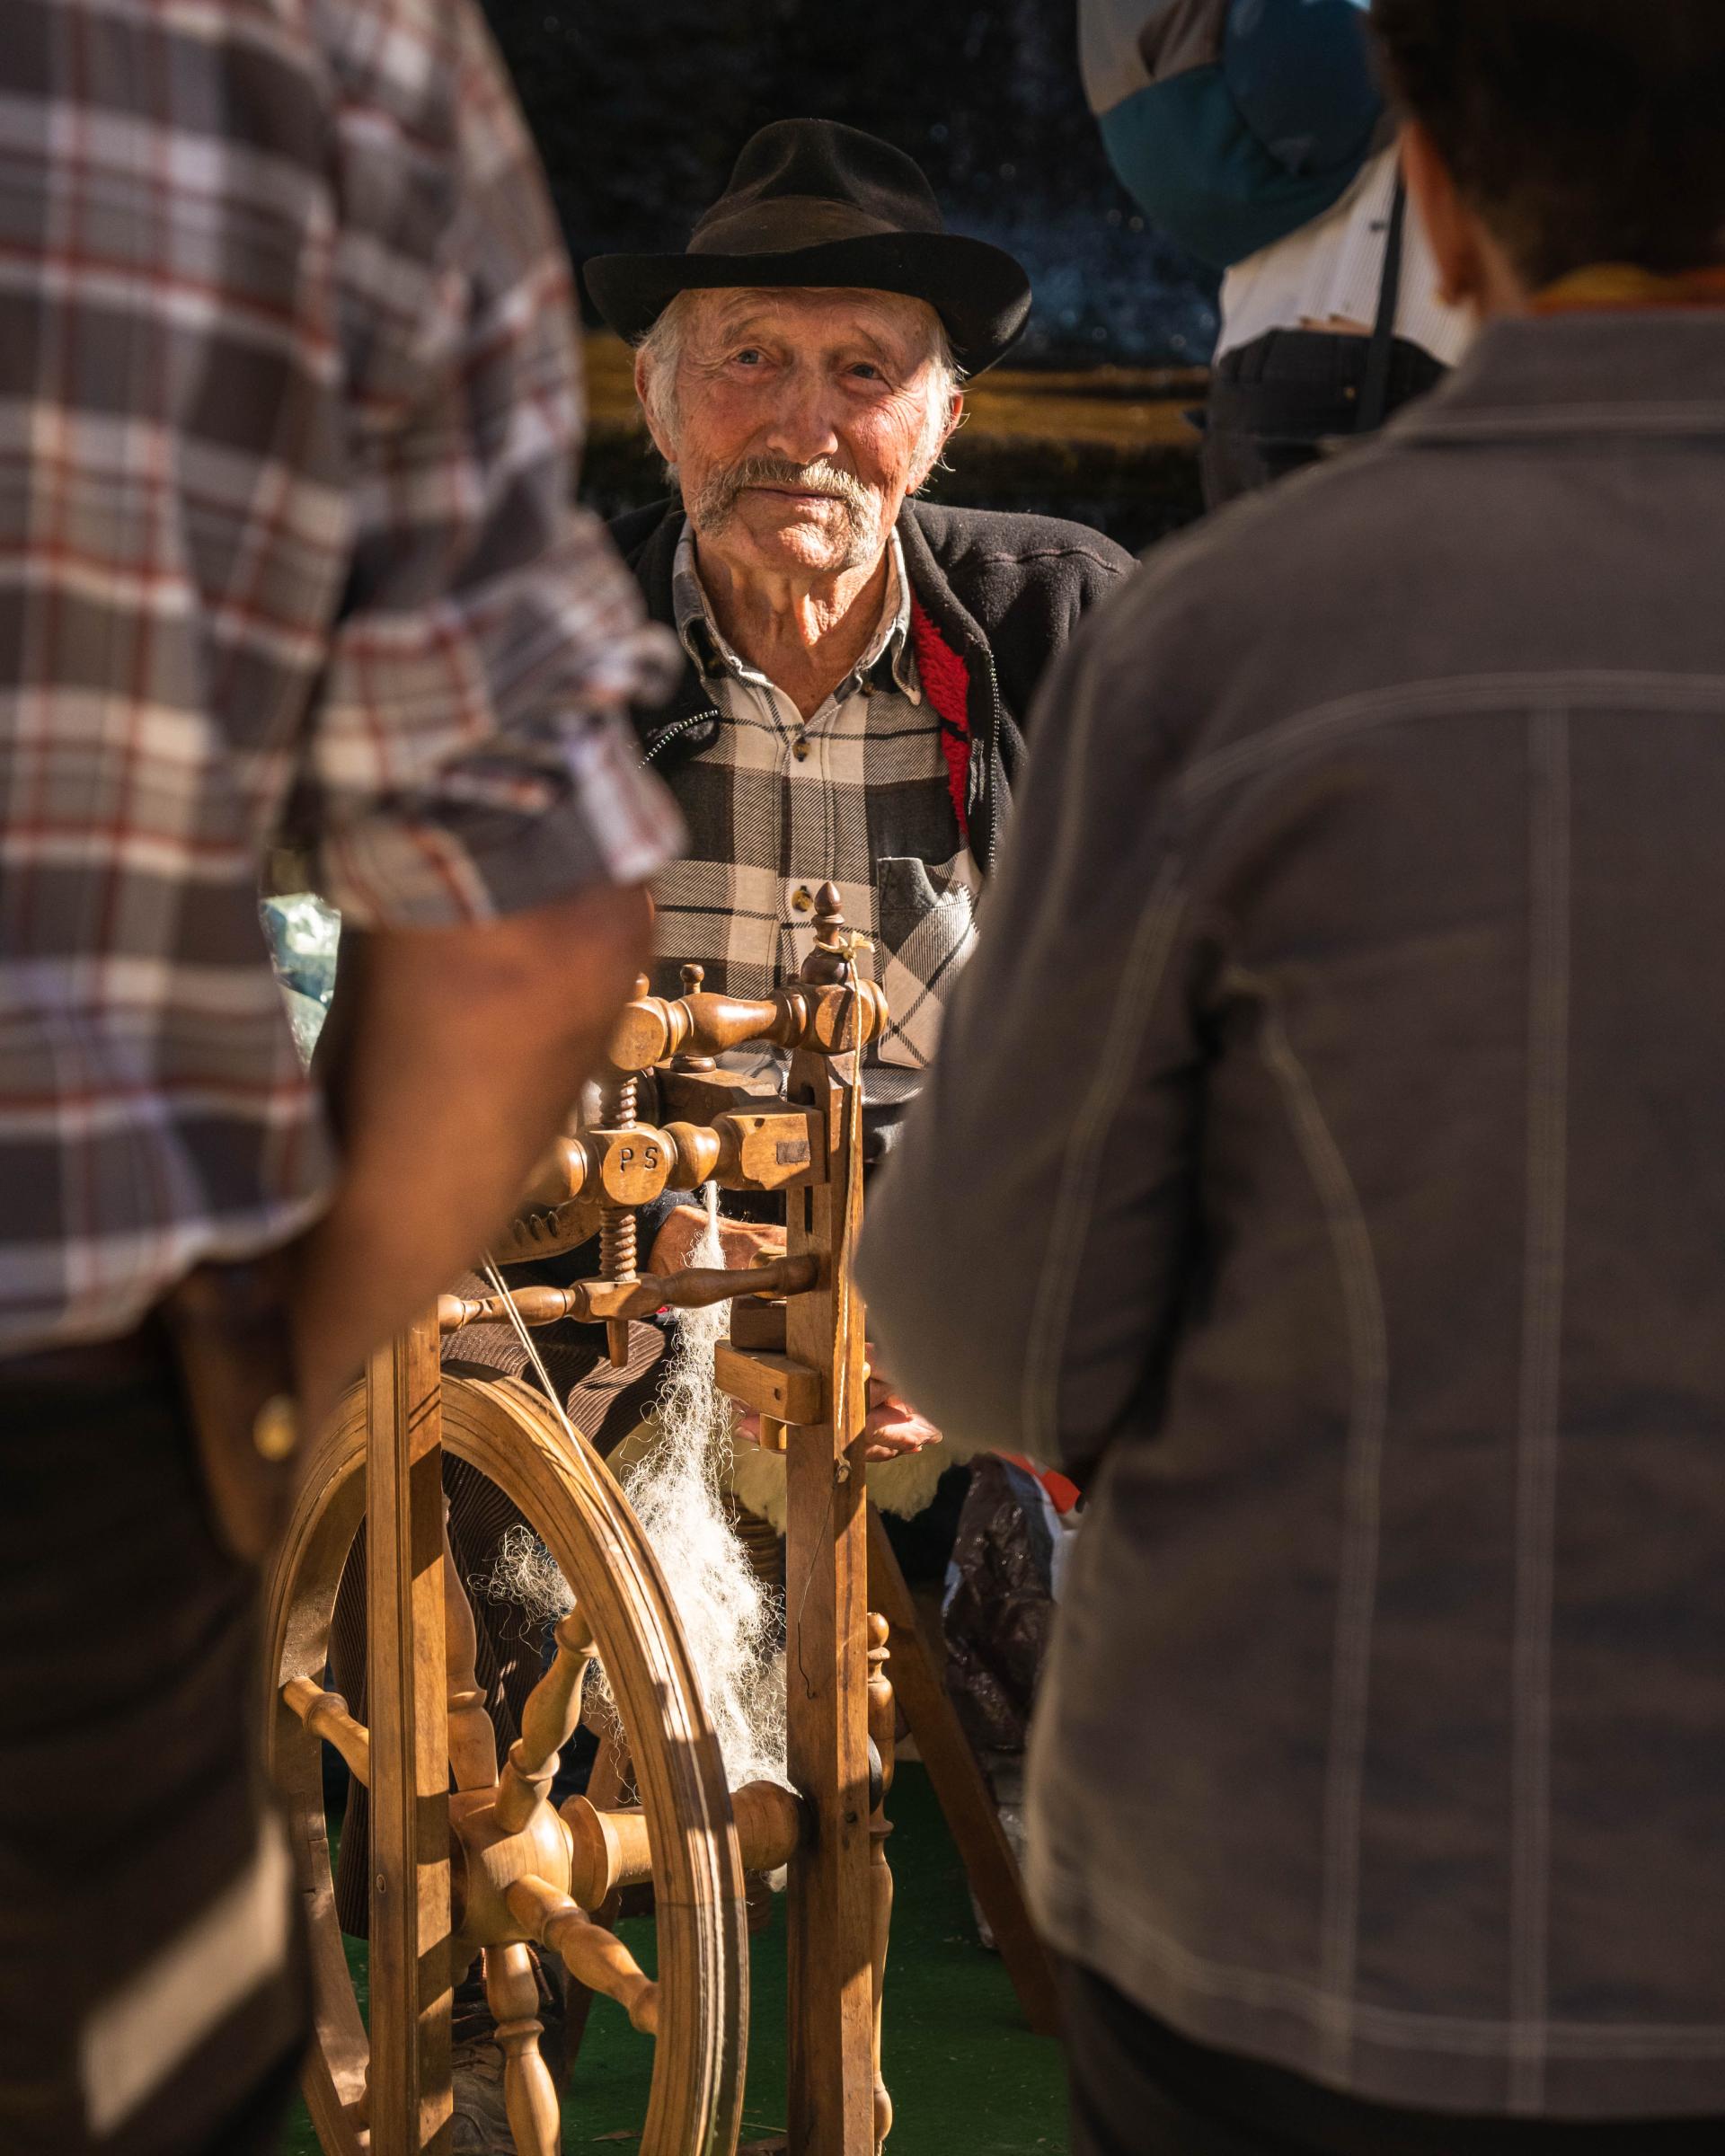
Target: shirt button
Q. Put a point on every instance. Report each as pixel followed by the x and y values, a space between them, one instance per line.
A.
pixel 803 900
pixel 799 749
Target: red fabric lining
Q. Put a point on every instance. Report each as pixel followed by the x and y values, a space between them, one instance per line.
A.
pixel 1062 1492
pixel 946 683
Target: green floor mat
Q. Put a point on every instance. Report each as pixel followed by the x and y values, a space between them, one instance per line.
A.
pixel 967 2077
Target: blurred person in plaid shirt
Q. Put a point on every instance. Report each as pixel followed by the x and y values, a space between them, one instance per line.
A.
pixel 288 407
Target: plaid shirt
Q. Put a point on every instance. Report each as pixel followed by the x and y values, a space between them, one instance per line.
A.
pixel 859 793
pixel 288 403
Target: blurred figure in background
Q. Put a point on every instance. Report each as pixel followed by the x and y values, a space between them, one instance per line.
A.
pixel 1255 133
pixel 289 404
pixel 1331 1106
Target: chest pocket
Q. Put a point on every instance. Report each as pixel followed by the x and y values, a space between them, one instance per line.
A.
pixel 925 924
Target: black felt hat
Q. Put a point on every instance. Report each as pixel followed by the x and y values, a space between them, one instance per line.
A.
pixel 813 203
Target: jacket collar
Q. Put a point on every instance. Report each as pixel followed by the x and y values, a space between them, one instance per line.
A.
pixel 654 563
pixel 1659 373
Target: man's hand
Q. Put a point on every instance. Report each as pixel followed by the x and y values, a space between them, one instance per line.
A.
pixel 894 1427
pixel 742 1240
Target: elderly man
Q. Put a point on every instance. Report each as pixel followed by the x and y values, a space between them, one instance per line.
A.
pixel 858 661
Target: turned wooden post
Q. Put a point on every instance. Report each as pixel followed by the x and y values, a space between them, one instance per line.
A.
pixel 529 2093
pixel 407 1683
pixel 829 1922
pixel 883 1717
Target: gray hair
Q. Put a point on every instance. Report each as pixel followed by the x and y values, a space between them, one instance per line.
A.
pixel 662 350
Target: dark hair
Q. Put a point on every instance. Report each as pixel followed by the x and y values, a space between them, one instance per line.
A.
pixel 1580 131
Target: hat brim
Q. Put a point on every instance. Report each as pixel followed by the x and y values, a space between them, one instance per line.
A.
pixel 981 294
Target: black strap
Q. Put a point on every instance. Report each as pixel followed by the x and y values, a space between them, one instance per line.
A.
pixel 1374 394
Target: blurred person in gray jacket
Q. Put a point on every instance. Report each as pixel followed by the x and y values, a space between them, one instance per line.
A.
pixel 1332 1107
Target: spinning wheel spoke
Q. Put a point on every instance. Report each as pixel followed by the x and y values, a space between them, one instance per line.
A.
pixel 605 1784
pixel 592 1955
pixel 325 1715
pixel 548 1721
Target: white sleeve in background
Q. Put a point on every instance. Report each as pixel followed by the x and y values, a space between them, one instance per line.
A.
pixel 1332 270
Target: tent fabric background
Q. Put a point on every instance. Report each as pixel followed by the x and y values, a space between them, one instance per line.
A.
pixel 640 112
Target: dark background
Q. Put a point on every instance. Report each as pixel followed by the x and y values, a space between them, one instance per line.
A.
pixel 640 106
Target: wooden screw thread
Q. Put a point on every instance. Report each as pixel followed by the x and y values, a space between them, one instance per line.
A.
pixel 618 1249
pixel 618 1254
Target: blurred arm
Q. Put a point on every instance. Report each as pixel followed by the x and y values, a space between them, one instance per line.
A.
pixel 460 1053
pixel 472 786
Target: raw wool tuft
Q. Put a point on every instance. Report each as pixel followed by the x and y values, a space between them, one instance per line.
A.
pixel 525 1572
pixel 730 1616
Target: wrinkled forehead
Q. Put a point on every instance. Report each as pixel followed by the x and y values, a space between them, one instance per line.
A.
pixel 815 316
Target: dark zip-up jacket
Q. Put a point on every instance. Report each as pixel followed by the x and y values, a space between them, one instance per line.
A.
pixel 1004 593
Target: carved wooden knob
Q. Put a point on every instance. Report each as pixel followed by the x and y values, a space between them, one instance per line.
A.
pixel 829 962
pixel 633 1163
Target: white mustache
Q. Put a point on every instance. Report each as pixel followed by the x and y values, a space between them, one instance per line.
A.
pixel 719 497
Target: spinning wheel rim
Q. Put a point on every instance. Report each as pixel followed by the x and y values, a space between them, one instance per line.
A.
pixel 508 1432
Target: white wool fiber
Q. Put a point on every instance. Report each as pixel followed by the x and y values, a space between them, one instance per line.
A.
pixel 730 1617
pixel 524 1571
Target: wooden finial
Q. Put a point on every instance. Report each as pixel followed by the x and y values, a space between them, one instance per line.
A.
pixel 829 963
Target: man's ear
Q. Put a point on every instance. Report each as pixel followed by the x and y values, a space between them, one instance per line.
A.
pixel 1474 270
pixel 661 440
pixel 954 420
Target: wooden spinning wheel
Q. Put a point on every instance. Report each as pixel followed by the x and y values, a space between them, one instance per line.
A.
pixel 485 1868
pixel 519 1870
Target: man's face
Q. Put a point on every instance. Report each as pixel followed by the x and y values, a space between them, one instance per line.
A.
pixel 798 423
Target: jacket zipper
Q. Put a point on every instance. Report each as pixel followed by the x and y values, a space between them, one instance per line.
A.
pixel 991 768
pixel 674 733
